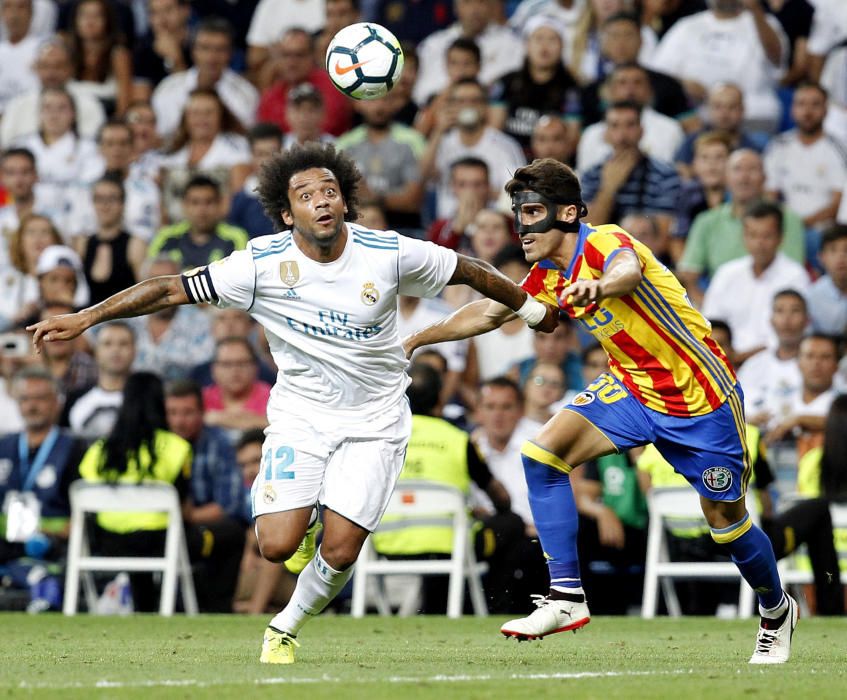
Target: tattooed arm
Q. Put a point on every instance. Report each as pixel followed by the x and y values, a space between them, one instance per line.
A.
pixel 143 298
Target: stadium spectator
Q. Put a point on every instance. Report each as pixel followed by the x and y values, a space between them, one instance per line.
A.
pixel 61 277
pixel 829 29
pixel 462 131
pixel 141 203
pixel 716 235
pixel 304 112
pixel 172 341
pixel 742 290
pixel 471 188
pixel 502 430
pixel 823 470
pixel 66 163
pixel 804 167
pixel 556 348
pixel 387 155
pixel 502 52
pixel 660 137
pixel 263 585
pixel 238 399
pixel 463 61
pixel 732 41
pixel 834 80
pixel 214 511
pixel 231 323
pixel 629 180
pixel 272 20
pixel 146 142
pixel 543 85
pixel 43 23
pixel 53 66
pixel 111 256
pixel 245 210
pixel 20 298
pixel 828 295
pixel 201 237
pixel 443 454
pixel 706 189
pixel 40 462
pixel 795 18
pixel 92 412
pixel 208 140
pixel 18 49
pixel 164 50
pixel 543 391
pixel 72 368
pixel 211 52
pixel 647 230
pixel 804 422
pixel 138 449
pixel 293 64
pixel 512 342
pixel 338 14
pixel 17 178
pixel 14 356
pixel 551 139
pixel 724 113
pixel 620 44
pixel 102 65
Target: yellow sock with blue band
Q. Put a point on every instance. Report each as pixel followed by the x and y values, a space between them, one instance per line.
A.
pixel 752 553
pixel 554 512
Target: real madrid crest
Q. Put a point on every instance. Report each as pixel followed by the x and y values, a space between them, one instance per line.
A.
pixel 370 294
pixel 269 495
pixel 289 272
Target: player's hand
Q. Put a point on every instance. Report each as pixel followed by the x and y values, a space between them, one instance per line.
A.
pixel 64 327
pixel 583 293
pixel 610 529
pixel 409 346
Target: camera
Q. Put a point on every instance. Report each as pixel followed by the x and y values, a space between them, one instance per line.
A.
pixel 14 345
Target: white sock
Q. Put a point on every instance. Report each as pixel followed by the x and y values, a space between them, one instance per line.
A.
pixel 316 586
pixel 774 613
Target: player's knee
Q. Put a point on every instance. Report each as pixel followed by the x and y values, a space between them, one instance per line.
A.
pixel 340 555
pixel 276 549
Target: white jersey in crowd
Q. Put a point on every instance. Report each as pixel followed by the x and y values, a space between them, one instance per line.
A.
pixel 332 327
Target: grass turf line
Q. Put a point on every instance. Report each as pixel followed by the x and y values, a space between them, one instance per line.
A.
pixel 432 657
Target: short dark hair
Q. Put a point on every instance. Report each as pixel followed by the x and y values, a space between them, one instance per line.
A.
pixel 811 85
pixel 277 172
pixel 465 44
pixel 719 324
pixel 237 340
pixel 835 340
pixel 118 323
pixel 763 209
pixel 264 130
pixel 832 234
pixel 550 178
pixel 180 388
pixel 111 178
pixel 113 123
pixel 432 352
pixel 509 254
pixel 794 294
pixel 504 383
pixel 631 105
pixel 424 391
pixel 469 162
pixel 467 81
pixel 622 17
pixel 202 181
pixel 249 437
pixel 215 25
pixel 18 152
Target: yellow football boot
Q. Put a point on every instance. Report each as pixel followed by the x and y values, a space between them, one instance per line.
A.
pixel 278 647
pixel 306 551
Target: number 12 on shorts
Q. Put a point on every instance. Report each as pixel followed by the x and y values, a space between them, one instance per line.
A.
pixel 276 463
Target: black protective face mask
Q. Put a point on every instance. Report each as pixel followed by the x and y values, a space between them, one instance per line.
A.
pixel 549 221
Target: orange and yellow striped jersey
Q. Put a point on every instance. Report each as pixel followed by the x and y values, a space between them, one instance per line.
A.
pixel 658 345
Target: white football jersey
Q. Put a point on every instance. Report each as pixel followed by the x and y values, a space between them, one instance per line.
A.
pixel 332 327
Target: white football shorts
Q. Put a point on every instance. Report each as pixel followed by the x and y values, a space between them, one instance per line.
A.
pixel 311 458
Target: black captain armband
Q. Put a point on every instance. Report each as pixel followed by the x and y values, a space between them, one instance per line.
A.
pixel 198 286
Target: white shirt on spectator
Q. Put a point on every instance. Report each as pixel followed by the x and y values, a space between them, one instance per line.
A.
pixel 829 26
pixel 501 153
pixel 272 18
pixel 63 166
pixel 744 301
pixel 502 52
pixel 171 95
pixel 834 81
pixel 709 50
pixel 22 112
pixel 226 151
pixel 827 307
pixel 505 467
pixel 770 385
pixel 93 414
pixel 427 312
pixel 805 175
pixel 841 217
pixel 497 351
pixel 17 75
pixel 16 291
pixel 12 421
pixel 661 139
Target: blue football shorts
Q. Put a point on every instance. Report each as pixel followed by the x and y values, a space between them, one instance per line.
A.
pixel 710 451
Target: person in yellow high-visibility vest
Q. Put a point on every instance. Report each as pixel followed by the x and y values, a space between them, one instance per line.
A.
pixel 441 453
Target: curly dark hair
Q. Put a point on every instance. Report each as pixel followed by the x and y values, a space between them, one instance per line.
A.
pixel 548 177
pixel 276 174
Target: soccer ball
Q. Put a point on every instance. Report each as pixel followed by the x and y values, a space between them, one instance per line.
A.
pixel 364 61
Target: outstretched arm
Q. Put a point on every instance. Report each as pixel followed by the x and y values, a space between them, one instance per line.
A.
pixel 143 298
pixel 472 319
pixel 621 278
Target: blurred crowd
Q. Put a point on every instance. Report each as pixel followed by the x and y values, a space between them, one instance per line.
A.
pixel 131 133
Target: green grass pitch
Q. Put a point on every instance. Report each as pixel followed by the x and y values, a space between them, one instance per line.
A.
pixel 217 657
